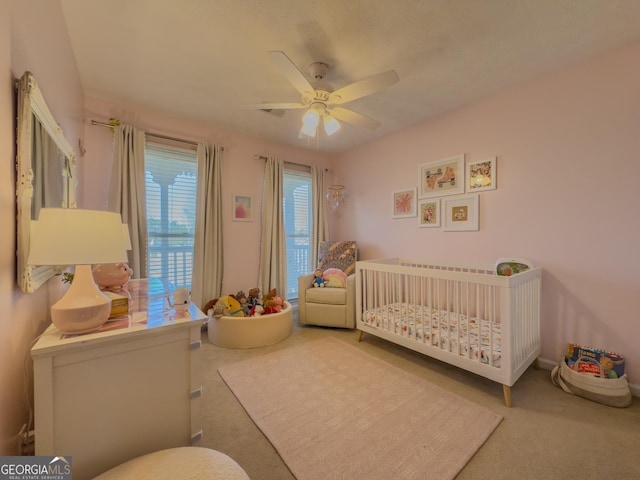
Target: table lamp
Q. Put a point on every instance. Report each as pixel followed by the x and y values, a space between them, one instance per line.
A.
pixel 72 236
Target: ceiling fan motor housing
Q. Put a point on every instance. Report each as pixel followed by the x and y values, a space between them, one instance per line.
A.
pixel 318 70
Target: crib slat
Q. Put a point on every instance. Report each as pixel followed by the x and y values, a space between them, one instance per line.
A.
pixel 483 323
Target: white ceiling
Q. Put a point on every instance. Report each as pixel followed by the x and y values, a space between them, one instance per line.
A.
pixel 204 59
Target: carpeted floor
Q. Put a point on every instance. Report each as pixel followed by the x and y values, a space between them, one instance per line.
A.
pixel 546 434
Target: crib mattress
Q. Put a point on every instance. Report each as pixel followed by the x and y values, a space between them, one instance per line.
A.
pixel 469 337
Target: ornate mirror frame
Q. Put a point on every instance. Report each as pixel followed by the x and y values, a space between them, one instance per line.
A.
pixel 31 103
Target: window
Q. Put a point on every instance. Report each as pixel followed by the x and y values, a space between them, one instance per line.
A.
pixel 297 226
pixel 171 185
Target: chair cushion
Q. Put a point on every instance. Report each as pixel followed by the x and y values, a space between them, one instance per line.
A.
pixel 326 295
pixel 341 255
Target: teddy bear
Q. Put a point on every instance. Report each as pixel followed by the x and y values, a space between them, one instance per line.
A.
pixel 253 298
pixel 318 281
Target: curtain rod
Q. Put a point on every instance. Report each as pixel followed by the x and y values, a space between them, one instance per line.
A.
pixel 150 134
pixel 262 157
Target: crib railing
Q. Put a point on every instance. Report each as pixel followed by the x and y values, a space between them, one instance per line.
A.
pixel 507 309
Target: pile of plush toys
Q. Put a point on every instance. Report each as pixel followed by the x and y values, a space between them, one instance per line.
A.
pixel 252 304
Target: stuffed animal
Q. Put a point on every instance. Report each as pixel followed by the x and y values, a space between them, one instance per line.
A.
pixel 278 303
pixel 209 306
pixel 256 311
pixel 241 297
pixel 219 309
pixel 318 281
pixel 229 306
pixel 111 276
pixel 254 297
pixel 181 299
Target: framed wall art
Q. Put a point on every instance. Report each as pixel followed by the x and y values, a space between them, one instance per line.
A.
pixel 404 203
pixel 461 213
pixel 481 175
pixel 442 177
pixel 242 208
pixel 429 212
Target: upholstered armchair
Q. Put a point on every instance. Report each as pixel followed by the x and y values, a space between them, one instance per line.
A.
pixel 330 306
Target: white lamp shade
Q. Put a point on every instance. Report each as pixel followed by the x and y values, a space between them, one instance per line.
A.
pixel 72 236
pixel 127 237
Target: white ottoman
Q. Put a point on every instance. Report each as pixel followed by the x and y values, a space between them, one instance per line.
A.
pixel 184 463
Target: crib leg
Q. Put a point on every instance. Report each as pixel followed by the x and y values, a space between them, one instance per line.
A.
pixel 506 389
pixel 360 336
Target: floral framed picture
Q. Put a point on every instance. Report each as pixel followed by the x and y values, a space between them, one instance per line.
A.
pixel 429 212
pixel 461 213
pixel 482 175
pixel 242 208
pixel 404 203
pixel 442 177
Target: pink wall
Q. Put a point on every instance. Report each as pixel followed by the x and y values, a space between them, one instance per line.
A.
pixel 32 37
pixel 241 174
pixel 567 146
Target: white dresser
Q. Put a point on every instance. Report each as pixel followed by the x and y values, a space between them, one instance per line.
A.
pixel 131 388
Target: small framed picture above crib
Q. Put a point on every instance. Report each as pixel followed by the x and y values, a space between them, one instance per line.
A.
pixel 404 203
pixel 442 177
pixel 242 208
pixel 460 214
pixel 429 212
pixel 481 175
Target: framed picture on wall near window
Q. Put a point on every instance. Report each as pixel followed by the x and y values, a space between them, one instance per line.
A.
pixel 442 177
pixel 242 208
pixel 460 213
pixel 404 203
pixel 481 175
pixel 429 212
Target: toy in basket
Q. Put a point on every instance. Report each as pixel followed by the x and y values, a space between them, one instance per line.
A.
pixel 595 361
pixel 594 374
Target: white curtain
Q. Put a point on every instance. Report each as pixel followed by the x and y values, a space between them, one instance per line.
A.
pixel 127 192
pixel 320 225
pixel 206 282
pixel 273 255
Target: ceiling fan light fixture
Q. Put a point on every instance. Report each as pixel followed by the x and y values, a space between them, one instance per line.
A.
pixel 310 122
pixel 331 125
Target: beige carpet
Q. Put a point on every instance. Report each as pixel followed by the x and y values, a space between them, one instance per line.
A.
pixel 335 412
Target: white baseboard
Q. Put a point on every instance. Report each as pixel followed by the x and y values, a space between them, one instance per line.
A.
pixel 549 364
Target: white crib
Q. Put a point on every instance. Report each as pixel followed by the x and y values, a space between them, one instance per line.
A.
pixel 462 314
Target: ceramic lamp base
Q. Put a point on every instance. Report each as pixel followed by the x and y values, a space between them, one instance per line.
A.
pixel 84 307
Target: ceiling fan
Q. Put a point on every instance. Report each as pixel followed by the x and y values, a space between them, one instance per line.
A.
pixel 320 101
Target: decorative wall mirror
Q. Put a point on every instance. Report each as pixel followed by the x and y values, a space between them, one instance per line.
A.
pixel 46 174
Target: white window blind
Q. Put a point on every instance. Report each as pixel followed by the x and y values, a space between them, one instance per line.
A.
pixel 297 225
pixel 171 184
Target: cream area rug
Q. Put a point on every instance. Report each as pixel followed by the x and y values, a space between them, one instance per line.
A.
pixel 333 411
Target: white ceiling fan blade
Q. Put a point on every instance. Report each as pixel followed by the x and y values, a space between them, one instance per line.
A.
pixel 273 106
pixel 354 118
pixel 364 87
pixel 288 68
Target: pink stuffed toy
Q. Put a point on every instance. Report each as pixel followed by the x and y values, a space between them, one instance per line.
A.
pixel 278 304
